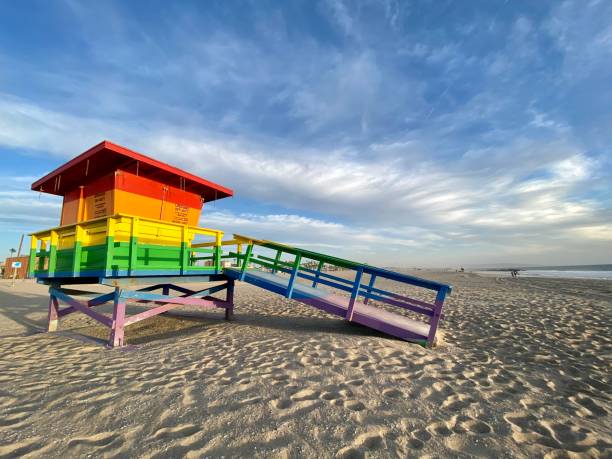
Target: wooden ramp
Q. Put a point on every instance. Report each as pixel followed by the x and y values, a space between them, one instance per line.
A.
pixel 296 273
pixel 370 316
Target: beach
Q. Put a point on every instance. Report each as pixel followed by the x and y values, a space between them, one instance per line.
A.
pixel 521 370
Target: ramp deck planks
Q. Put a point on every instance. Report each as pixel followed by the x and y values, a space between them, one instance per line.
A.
pixel 364 314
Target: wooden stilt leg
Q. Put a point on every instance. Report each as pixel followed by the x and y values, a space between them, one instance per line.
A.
pixel 53 319
pixel 229 312
pixel 118 325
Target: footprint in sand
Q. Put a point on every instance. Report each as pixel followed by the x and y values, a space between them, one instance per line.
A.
pixel 366 441
pixel 305 394
pixel 526 429
pixel 350 453
pixel 370 440
pixel 588 406
pixel 415 443
pixel 457 402
pixel 281 404
pixel 354 405
pixel 467 447
pixel 477 427
pixel 355 382
pixel 392 393
pixel 438 391
pixel 439 429
pixel 330 395
pixel 421 435
pixel 572 437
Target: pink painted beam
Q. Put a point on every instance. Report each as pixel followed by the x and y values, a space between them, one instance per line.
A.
pixel 98 301
pixel 118 324
pixel 53 318
pixel 84 308
pixel 171 305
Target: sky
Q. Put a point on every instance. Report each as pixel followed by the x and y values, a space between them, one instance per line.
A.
pixel 432 133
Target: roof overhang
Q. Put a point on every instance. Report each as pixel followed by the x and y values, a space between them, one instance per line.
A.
pixel 107 157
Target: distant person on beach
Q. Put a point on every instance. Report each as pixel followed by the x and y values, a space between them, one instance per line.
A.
pixel 514 272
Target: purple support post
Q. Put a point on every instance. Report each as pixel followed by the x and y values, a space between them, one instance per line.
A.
pixel 437 312
pixel 354 294
pixel 369 288
pixel 229 312
pixel 118 325
pixel 53 318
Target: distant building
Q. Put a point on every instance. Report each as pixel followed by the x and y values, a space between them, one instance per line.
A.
pixel 22 271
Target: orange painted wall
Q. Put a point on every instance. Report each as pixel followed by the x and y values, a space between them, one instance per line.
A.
pixel 127 193
pixel 70 209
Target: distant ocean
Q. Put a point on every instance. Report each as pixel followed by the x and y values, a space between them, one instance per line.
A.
pixel 566 272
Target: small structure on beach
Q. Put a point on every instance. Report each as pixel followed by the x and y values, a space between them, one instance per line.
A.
pixel 130 222
pixel 15 267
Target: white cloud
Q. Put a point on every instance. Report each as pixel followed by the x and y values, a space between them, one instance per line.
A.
pixel 476 153
pixel 481 190
pixel 597 232
pixel 362 243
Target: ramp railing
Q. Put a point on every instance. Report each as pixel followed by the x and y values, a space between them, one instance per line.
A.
pixel 316 268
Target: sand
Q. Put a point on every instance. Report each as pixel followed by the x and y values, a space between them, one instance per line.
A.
pixel 523 371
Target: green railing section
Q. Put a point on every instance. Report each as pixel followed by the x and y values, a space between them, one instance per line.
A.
pixel 317 271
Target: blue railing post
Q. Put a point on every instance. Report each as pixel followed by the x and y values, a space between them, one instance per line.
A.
pixel 294 271
pixel 369 288
pixel 433 325
pixel 318 274
pixel 245 262
pixel 354 294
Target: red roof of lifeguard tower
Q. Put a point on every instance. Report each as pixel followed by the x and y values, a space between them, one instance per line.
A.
pixel 107 157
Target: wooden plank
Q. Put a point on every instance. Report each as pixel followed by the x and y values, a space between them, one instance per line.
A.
pixel 184 253
pixel 294 271
pixel 76 256
pixel 318 273
pixel 212 304
pixel 218 253
pixel 52 254
pixel 354 293
pixel 277 260
pixel 379 319
pixel 436 316
pixel 369 287
pixel 110 245
pixel 405 278
pixel 245 262
pixel 133 260
pixel 81 307
pixel 32 259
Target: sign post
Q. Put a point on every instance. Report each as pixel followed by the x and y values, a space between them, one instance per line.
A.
pixel 15 265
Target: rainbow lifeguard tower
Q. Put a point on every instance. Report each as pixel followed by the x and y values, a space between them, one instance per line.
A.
pixel 129 222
